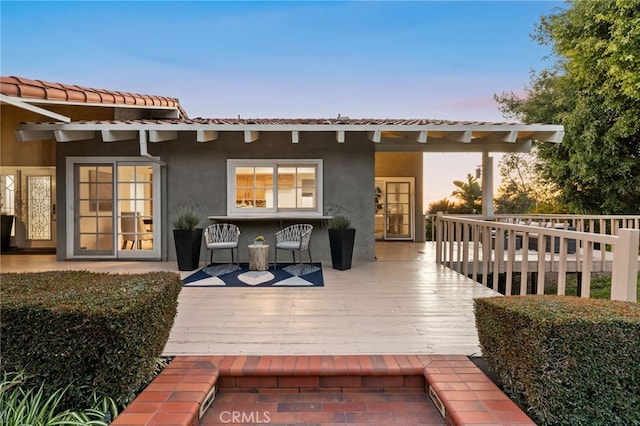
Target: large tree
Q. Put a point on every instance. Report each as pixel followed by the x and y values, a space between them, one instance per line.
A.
pixel 593 89
pixel 521 190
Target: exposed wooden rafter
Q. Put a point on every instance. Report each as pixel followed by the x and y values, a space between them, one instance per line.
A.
pixel 375 136
pixel 74 135
pixel 206 135
pixel 34 135
pixel 162 135
pixel 251 136
pixel 118 135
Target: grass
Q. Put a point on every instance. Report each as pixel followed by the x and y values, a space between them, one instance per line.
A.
pixel 22 405
pixel 600 285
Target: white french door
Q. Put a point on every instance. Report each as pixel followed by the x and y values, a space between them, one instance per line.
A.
pixel 394 200
pixel 114 210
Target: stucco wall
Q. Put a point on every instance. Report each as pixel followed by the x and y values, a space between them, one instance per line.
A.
pixel 197 172
pixel 405 164
pixel 14 153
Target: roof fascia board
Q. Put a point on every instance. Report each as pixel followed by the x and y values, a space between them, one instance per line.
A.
pixel 18 102
pixel 454 147
pixel 94 104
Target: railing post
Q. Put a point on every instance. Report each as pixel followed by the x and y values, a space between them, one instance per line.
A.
pixel 624 276
pixel 439 237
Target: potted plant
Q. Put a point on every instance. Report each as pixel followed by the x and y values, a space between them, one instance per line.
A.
pixel 341 239
pixel 259 240
pixel 187 237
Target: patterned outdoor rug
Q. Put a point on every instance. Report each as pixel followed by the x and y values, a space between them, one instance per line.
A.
pixel 229 275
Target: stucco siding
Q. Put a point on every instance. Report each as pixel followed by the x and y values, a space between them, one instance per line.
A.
pixel 197 172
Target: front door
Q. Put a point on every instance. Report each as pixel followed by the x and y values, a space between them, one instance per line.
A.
pixel 38 210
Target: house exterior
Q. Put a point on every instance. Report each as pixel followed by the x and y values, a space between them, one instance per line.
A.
pixel 112 155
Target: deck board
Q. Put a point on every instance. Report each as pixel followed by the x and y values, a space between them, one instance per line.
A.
pixel 401 303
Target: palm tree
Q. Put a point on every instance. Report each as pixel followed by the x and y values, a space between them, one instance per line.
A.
pixel 469 194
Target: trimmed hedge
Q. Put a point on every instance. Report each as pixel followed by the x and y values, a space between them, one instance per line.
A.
pixel 565 360
pixel 89 331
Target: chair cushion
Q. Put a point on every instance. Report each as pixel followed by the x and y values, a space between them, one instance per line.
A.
pixel 221 245
pixel 288 245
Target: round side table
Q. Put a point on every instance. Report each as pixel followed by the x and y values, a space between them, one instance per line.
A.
pixel 258 257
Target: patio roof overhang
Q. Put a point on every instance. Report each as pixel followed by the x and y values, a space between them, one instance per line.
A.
pixel 388 135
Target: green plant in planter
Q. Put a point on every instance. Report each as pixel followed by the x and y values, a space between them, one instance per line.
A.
pixel 341 239
pixel 186 217
pixel 187 236
pixel 340 223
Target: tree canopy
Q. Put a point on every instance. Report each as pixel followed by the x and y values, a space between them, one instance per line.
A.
pixel 593 89
pixel 469 194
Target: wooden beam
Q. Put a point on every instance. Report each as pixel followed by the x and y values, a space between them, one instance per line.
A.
pixel 295 136
pixel 251 136
pixel 555 137
pixel 73 135
pixel 340 136
pixel 34 135
pixel 162 135
pixel 375 136
pixel 118 135
pixel 464 136
pixel 206 135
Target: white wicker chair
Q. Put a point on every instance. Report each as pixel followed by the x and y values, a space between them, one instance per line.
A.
pixel 222 236
pixel 294 238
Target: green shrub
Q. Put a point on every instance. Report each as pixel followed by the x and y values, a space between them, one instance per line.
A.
pixel 565 360
pixel 85 331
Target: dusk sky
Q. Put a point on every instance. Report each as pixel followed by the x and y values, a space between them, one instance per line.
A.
pixel 295 59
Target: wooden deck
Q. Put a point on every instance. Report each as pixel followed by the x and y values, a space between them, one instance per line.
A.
pixel 403 303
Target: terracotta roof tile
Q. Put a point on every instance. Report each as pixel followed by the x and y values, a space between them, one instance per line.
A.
pixel 297 121
pixel 37 89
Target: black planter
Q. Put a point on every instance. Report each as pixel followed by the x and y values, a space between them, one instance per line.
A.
pixel 6 223
pixel 188 245
pixel 341 243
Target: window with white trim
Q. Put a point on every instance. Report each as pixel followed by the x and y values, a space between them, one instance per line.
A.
pixel 277 187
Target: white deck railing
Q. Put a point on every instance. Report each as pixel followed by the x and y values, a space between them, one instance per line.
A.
pixel 511 244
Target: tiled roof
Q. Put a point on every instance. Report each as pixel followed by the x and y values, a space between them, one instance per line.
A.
pixel 38 89
pixel 301 122
pixel 334 121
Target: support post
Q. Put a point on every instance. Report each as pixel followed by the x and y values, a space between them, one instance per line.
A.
pixel 625 266
pixel 487 186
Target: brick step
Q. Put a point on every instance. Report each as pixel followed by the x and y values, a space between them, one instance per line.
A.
pixel 338 383
pixel 184 390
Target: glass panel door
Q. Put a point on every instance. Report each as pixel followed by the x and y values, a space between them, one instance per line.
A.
pixel 93 213
pixel 398 210
pixel 135 210
pixel 115 210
